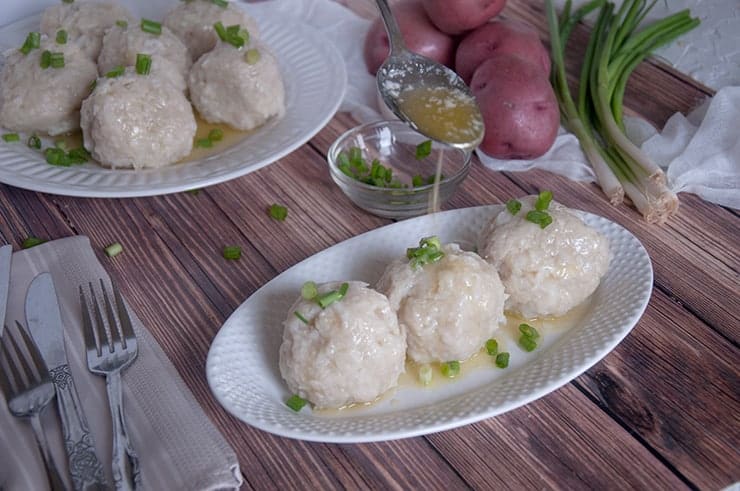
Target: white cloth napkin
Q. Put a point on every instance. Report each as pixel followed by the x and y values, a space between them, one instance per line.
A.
pixel 178 446
pixel 701 153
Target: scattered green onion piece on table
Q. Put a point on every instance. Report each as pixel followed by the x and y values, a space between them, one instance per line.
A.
pixel 252 56
pixel 309 290
pixel 61 36
pixel 57 60
pixel 450 369
pixel 221 3
pixel 33 41
pixel 216 135
pixel 296 402
pixel 194 192
pixel 150 26
pixel 423 149
pixel 29 242
pixel 34 142
pixel 425 374
pixel 114 249
pixel 300 316
pixel 122 24
pixel 541 218
pixel 231 253
pixel 278 212
pixel 143 64
pixel 543 201
pixel 11 137
pixel 513 206
pixel 529 331
pixel 492 347
pixel 45 60
pixel 502 360
pixel 116 72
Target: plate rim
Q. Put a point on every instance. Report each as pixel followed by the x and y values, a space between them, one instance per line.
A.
pixel 530 396
pixel 308 34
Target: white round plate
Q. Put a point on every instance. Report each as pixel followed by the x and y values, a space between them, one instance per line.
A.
pixel 242 365
pixel 315 81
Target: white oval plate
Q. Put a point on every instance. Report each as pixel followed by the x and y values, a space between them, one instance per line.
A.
pixel 242 365
pixel 315 81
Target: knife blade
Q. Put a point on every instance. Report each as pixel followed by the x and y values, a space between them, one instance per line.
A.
pixel 45 324
pixel 5 254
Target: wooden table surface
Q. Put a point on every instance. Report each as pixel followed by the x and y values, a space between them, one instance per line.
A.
pixel 660 411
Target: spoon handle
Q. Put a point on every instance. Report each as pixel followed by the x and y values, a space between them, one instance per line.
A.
pixel 391 27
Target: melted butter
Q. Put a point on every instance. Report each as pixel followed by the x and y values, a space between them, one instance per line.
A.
pixel 442 114
pixel 507 337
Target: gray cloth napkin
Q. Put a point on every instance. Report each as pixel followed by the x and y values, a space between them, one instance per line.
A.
pixel 178 446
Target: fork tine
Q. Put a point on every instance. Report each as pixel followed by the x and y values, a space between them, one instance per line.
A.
pixel 126 327
pixel 7 385
pixel 99 323
pixel 33 350
pixel 31 375
pixel 8 345
pixel 91 335
pixel 115 330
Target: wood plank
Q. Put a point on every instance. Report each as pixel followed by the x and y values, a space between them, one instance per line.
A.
pixel 562 441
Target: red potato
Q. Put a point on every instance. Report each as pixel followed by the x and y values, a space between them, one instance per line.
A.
pixel 418 32
pixel 501 36
pixel 518 105
pixel 458 16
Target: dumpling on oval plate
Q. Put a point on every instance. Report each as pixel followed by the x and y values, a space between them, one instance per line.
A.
pixel 241 87
pixel 546 270
pixel 37 95
pixel 349 352
pixel 84 21
pixel 137 121
pixel 449 301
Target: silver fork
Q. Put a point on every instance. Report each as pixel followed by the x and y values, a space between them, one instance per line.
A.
pixel 28 390
pixel 110 350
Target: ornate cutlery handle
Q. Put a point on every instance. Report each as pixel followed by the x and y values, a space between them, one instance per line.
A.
pixel 55 478
pixel 84 466
pixel 125 476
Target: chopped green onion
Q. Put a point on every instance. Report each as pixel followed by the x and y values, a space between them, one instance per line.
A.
pixel 502 360
pixel 417 181
pixel 68 1
pixel 34 142
pixel 61 37
pixel 433 178
pixel 278 212
pixel 220 30
pixel 194 192
pixel 296 403
pixel 492 347
pixel 450 369
pixel 151 26
pixel 122 23
pixel 528 331
pixel 333 296
pixel 513 206
pixel 252 56
pixel 543 200
pixel 527 343
pixel 116 72
pixel 45 60
pixel 425 374
pixel 11 137
pixel 56 156
pixel 203 143
pixel 231 253
pixel 429 251
pixel 93 84
pixel 33 41
pixel 298 314
pixel 143 64
pixel 57 60
pixel 234 35
pixel 114 249
pixel 423 149
pixel 541 218
pixel 29 242
pixel 221 3
pixel 61 145
pixel 79 155
pixel 309 290
pixel 216 135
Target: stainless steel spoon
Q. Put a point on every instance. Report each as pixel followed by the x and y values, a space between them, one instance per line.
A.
pixel 443 92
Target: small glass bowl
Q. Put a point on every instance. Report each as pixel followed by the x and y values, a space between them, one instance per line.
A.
pixel 393 144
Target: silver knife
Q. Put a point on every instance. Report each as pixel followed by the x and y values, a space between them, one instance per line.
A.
pixel 45 323
pixel 5 253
